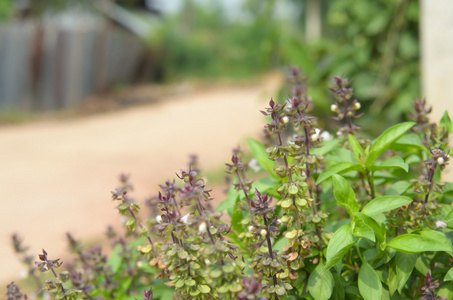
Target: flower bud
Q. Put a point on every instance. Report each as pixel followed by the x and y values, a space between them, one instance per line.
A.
pixel 278 222
pixel 263 232
pixel 314 137
pixel 334 108
pixel 356 106
pixel 159 219
pixel 202 227
pixel 251 228
pixel 440 161
pixel 285 120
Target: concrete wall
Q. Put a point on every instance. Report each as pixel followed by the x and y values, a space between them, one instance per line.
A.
pixel 437 59
pixel 437 54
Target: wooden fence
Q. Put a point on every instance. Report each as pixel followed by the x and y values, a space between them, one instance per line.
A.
pixel 53 65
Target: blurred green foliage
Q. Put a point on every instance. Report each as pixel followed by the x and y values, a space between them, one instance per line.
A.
pixel 376 44
pixel 5 9
pixel 201 41
pixel 373 42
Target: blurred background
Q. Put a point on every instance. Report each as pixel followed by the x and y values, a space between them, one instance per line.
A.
pixel 90 89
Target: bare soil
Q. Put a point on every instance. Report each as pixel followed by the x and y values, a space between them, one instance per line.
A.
pixel 56 176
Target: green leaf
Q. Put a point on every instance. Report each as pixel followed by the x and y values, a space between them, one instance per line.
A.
pixel 326 147
pixel 446 290
pixel 339 244
pixel 370 285
pixel 339 168
pixel 427 241
pixel 383 142
pixel 230 201
pixel 344 194
pixel 385 203
pixel 115 259
pixel 394 162
pixel 236 218
pixel 445 121
pixel 422 264
pixel 203 288
pixel 320 283
pixel 392 281
pixel 449 275
pixel 259 152
pixel 379 232
pixel 338 290
pixel 405 263
pixel 407 141
pixel 398 188
pixel 280 244
pixel 356 147
pixel 360 229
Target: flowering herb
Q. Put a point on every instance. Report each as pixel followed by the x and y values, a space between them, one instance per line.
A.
pixel 324 218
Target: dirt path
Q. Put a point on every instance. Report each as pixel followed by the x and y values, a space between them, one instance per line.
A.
pixel 57 176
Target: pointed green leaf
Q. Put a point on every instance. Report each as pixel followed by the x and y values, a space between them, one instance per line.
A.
pixel 259 152
pixel 405 263
pixel 379 232
pixel 449 275
pixel 426 241
pixel 407 141
pixel 392 281
pixel 326 147
pixel 383 142
pixel 344 194
pixel 230 201
pixel 370 285
pixel 399 187
pixel 360 229
pixel 356 147
pixel 339 244
pixel 385 203
pixel 422 264
pixel 445 121
pixel 338 290
pixel 339 168
pixel 320 283
pixel 236 218
pixel 394 162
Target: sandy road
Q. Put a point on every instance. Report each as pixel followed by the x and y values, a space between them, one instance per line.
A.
pixel 56 176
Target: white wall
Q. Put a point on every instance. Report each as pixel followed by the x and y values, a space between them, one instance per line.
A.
pixel 437 54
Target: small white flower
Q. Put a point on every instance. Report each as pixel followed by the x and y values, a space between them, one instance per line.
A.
pixel 207 261
pixel 251 228
pixel 339 133
pixel 334 107
pixel 23 274
pixel 285 120
pixel 159 219
pixel 253 164
pixel 440 161
pixel 263 232
pixel 315 136
pixel 185 219
pixel 441 224
pixel 278 222
pixel 303 174
pixel 202 227
pixel 326 136
pixel 357 106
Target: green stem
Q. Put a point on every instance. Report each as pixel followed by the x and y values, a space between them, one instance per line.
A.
pixel 370 179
